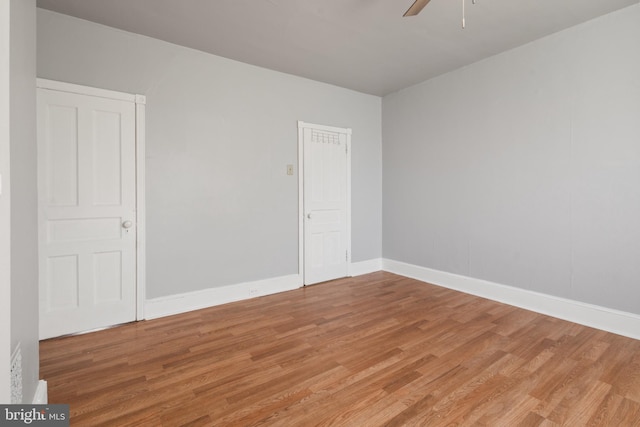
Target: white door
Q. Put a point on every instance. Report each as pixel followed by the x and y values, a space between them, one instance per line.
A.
pixel 87 212
pixel 326 218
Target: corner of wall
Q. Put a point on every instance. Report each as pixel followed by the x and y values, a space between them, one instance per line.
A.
pixel 23 325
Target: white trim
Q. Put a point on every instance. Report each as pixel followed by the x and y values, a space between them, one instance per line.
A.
pixel 141 251
pixel 182 303
pixel 84 90
pixel 607 319
pixel 365 267
pixel 302 125
pixel 301 200
pixel 41 397
pixel 347 131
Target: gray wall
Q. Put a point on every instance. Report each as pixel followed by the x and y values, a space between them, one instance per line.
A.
pixel 18 202
pixel 5 205
pixel 523 169
pixel 221 209
pixel 24 193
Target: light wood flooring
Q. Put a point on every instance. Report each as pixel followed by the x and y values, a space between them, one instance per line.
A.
pixel 375 350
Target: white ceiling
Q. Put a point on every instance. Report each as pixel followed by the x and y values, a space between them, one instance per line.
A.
pixel 364 45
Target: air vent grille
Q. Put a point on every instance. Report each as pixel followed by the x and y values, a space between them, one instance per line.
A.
pixel 16 376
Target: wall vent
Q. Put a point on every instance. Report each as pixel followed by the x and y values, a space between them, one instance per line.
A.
pixel 16 376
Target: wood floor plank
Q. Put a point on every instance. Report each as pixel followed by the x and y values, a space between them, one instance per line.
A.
pixel 375 350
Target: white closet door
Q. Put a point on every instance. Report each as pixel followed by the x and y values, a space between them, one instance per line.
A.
pixel 325 205
pixel 87 216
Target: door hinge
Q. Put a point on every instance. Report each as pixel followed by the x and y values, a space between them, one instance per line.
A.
pixel 346 256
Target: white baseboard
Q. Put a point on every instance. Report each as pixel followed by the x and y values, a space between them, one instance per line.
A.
pixel 365 267
pixel 182 303
pixel 607 319
pixel 41 397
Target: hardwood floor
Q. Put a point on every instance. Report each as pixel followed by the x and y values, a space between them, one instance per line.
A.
pixel 368 351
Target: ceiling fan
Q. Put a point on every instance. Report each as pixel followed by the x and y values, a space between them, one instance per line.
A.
pixel 416 7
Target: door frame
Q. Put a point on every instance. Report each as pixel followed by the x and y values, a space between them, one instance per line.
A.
pixel 140 103
pixel 347 131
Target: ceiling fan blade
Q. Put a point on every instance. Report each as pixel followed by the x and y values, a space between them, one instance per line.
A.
pixel 416 7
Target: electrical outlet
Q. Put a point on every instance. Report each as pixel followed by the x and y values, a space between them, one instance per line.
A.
pixel 253 291
pixel 289 169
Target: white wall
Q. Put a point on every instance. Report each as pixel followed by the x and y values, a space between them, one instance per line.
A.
pixel 523 169
pixel 221 209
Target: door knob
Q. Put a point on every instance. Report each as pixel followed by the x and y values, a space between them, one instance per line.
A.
pixel 127 224
pixel 309 215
